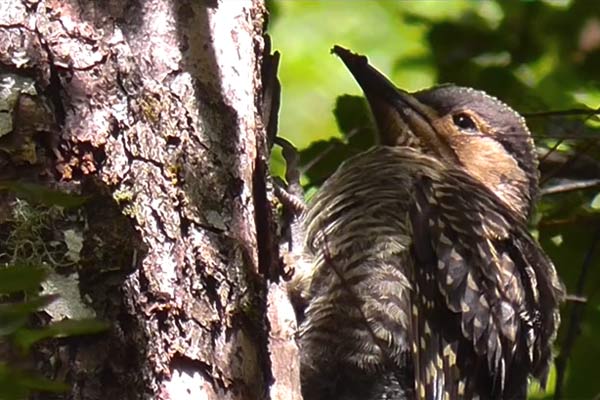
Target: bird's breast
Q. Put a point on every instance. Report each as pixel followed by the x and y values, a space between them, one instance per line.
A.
pixel 356 281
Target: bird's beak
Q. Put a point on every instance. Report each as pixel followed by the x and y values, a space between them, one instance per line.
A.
pixel 396 112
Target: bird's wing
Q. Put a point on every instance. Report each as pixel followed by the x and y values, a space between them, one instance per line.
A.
pixel 485 303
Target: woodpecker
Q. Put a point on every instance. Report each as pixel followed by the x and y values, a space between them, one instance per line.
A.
pixel 419 277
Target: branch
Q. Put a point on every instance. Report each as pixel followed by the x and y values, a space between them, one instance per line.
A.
pixel 570 186
pixel 577 311
pixel 588 112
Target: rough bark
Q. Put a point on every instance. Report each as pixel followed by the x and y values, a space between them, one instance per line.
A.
pixel 155 110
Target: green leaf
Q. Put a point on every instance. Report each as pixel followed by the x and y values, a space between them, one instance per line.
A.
pixel 17 278
pixel 352 114
pixel 42 384
pixel 9 388
pixel 35 193
pixel 14 316
pixel 322 158
pixel 16 384
pixel 25 338
pixel 353 117
pixel 595 204
pixel 11 323
pixel 536 392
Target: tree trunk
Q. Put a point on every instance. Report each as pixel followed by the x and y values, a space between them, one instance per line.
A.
pixel 154 109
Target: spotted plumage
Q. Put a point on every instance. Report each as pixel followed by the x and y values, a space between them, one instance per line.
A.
pixel 421 279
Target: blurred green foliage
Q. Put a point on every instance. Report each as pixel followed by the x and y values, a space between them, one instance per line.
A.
pixel 39 194
pixel 537 56
pixel 22 253
pixel 19 300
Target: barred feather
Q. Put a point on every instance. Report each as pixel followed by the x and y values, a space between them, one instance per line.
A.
pixel 406 268
pixel 421 279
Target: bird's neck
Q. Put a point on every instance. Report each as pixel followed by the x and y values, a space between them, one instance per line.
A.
pixel 490 164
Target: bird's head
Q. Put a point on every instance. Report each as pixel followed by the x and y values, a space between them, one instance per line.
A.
pixel 461 127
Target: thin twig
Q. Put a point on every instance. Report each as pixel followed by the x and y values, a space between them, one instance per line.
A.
pixel 327 150
pixel 577 311
pixel 564 113
pixel 570 186
pixel 574 136
pixel 551 150
pixel 589 146
pixel 576 299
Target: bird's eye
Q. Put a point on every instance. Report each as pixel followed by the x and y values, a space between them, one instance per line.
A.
pixel 464 122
